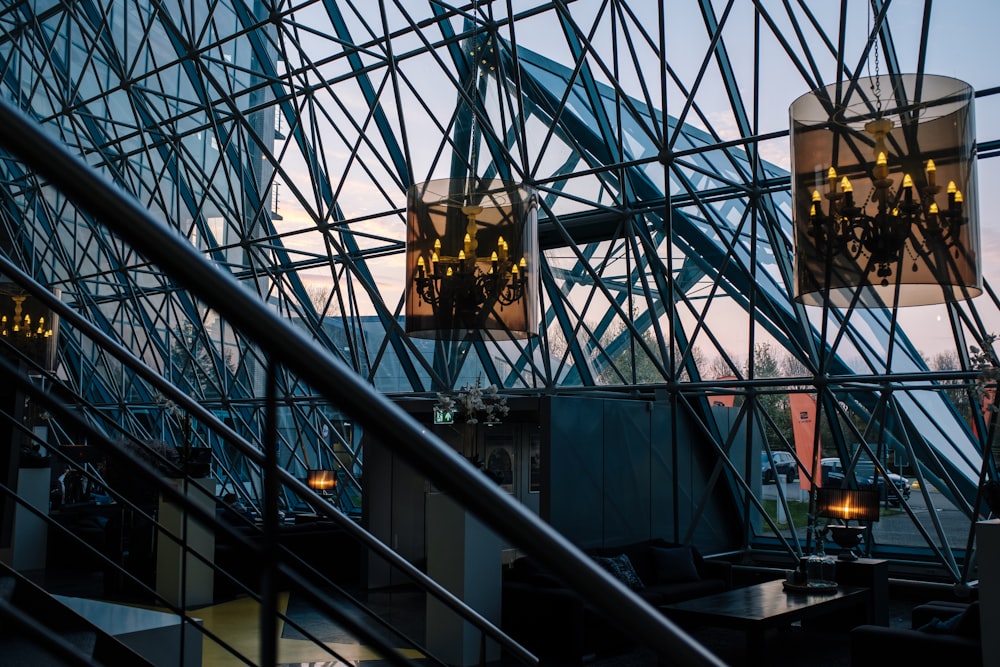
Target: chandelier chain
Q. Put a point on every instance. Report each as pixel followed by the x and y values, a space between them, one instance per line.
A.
pixel 876 84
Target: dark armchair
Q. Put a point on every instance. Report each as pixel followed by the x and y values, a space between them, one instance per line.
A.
pixel 554 622
pixel 941 633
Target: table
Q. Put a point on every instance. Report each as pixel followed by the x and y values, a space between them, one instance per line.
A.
pixel 869 573
pixel 758 608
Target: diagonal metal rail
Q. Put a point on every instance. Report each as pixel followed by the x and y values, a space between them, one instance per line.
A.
pixel 424 451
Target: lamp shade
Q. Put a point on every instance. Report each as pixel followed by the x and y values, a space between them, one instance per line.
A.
pixel 885 200
pixel 321 480
pixel 848 504
pixel 471 260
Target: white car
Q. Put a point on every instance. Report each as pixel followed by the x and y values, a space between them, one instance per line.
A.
pixel 785 466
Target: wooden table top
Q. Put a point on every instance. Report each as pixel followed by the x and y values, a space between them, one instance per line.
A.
pixel 766 604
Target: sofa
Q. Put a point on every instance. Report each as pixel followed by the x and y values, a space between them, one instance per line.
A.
pixel 322 545
pixel 555 623
pixel 940 633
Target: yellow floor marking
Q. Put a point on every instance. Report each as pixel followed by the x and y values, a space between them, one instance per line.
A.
pixel 236 623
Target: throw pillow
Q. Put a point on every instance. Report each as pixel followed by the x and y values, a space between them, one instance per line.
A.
pixel 965 624
pixel 621 568
pixel 938 627
pixel 674 565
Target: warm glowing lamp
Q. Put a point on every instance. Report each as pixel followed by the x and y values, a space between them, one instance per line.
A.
pixel 848 505
pixel 472 260
pixel 890 236
pixel 322 481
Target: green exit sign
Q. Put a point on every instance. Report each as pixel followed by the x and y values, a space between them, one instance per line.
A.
pixel 442 416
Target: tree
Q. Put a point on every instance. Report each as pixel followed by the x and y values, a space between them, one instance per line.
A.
pixel 948 361
pixel 322 299
pixel 767 364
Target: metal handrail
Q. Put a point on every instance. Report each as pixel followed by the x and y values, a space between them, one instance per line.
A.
pixel 390 424
pixel 219 427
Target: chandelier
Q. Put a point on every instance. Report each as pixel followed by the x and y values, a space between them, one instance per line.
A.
pixel 27 325
pixel 471 243
pixel 472 260
pixel 885 201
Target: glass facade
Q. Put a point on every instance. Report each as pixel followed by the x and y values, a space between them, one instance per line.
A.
pixel 280 139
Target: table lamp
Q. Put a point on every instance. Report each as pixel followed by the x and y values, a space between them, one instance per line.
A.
pixel 847 505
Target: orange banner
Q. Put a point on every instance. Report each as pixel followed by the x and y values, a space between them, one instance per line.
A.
pixel 803 408
pixel 986 403
pixel 725 400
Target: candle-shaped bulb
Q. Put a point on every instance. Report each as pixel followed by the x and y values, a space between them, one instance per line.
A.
pixel 845 184
pixel 831 176
pixel 502 248
pixel 437 246
pixel 958 196
pixel 907 189
pixel 513 271
pixel 493 261
pixel 421 267
pixel 933 208
pixel 952 188
pixel 931 173
pixel 816 199
pixel 461 255
pixel 881 170
pixel 468 244
pixel 448 273
pixel 523 264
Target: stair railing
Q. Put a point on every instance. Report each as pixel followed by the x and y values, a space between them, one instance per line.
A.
pixel 331 377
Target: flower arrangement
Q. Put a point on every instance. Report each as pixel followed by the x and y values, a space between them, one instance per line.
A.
pixel 191 459
pixel 474 401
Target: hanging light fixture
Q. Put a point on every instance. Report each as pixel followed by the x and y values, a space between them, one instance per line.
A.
pixel 472 260
pixel 28 325
pixel 471 243
pixel 885 200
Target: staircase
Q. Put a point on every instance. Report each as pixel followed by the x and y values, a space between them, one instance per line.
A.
pixel 38 629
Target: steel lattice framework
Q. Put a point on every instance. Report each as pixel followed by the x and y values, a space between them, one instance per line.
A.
pixel 279 137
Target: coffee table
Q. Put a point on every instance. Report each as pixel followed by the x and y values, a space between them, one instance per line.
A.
pixel 758 608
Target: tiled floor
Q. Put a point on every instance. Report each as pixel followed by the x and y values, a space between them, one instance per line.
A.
pixel 237 623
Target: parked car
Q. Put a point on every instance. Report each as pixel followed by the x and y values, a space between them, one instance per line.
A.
pixel 785 466
pixel 833 475
pixel 901 483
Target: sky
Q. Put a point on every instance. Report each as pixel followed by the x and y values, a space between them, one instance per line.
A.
pixel 962 45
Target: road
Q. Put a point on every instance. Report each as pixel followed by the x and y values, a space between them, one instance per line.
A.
pixel 897 527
